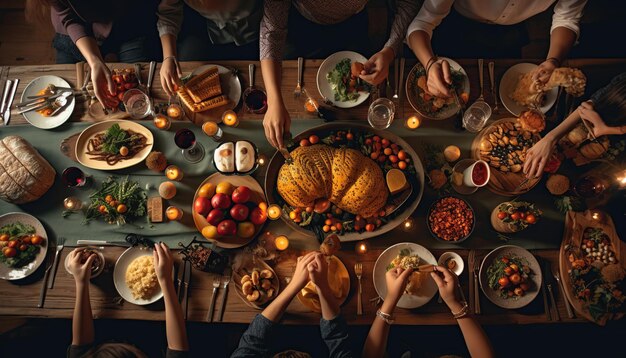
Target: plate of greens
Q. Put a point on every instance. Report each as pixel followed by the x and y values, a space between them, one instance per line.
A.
pixel 24 244
pixel 113 145
pixel 338 81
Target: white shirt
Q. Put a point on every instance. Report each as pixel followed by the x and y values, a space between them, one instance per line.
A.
pixel 567 13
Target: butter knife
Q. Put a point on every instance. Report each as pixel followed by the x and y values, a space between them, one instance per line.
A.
pixel 7 110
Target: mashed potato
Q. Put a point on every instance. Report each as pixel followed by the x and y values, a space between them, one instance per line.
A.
pixel 141 278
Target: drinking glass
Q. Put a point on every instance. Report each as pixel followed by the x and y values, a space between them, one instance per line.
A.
pixel 137 103
pixel 381 113
pixel 73 176
pixel 193 151
pixel 476 116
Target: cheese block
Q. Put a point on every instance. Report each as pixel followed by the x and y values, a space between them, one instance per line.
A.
pixel 396 181
pixel 25 175
pixel 244 156
pixel 224 157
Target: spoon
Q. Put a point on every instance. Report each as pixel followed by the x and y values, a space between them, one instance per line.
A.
pixel 52 90
pixel 60 103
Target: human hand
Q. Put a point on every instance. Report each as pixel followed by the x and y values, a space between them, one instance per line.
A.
pixel 397 278
pixel 537 157
pixel 163 263
pixel 587 113
pixel 80 271
pixel 447 285
pixel 170 75
pixel 301 274
pixel 103 85
pixel 376 69
pixel 318 272
pixel 542 73
pixel 439 79
pixel 275 123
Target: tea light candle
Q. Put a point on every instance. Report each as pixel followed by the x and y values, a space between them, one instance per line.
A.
pixel 162 122
pixel 274 212
pixel 175 111
pixel 173 172
pixel 621 179
pixel 310 105
pixel 261 160
pixel 408 224
pixel 173 213
pixel 281 242
pixel 361 247
pixel 72 203
pixel 596 215
pixel 212 130
pixel 230 118
pixel 412 122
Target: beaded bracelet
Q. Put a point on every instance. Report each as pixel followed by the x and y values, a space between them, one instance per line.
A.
pixel 555 61
pixel 430 63
pixel 389 319
pixel 462 312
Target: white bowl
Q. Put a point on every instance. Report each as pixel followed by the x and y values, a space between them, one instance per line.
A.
pixel 458 270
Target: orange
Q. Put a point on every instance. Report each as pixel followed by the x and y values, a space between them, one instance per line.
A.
pixel 207 190
pixel 224 188
pixel 209 232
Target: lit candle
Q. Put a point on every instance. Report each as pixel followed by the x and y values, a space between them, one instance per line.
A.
pixel 212 130
pixel 408 224
pixel 596 215
pixel 261 160
pixel 310 105
pixel 175 111
pixel 230 118
pixel 162 122
pixel 621 179
pixel 173 172
pixel 361 247
pixel 412 122
pixel 173 213
pixel 72 203
pixel 274 212
pixel 281 242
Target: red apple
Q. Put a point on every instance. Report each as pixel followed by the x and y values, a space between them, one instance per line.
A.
pixel 258 216
pixel 241 194
pixel 239 212
pixel 227 228
pixel 220 201
pixel 215 216
pixel 202 206
pixel 245 230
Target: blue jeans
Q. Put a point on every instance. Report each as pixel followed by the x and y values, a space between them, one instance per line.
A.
pixel 139 49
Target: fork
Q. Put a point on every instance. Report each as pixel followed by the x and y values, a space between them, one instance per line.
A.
pixel 472 285
pixel 358 271
pixel 480 80
pixel 476 288
pixel 216 286
pixel 55 264
pixel 225 282
pixel 568 306
pixel 298 91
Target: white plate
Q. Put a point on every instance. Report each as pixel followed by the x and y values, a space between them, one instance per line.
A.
pixel 509 82
pixel 9 273
pixel 119 275
pixel 231 86
pixel 38 120
pixel 327 66
pixel 460 265
pixel 380 270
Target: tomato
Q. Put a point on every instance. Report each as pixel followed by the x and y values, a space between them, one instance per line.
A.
pixel 502 215
pixel 349 136
pixel 518 291
pixel 121 208
pixel 370 227
pixel 368 141
pixel 515 216
pixel 23 247
pixel 402 155
pixel 27 239
pixel 374 155
pixel 388 151
pixel 505 260
pixel 326 228
pixel 314 139
pixel 36 240
pixel 590 244
pixel 515 278
pixel 524 286
pixel 376 139
pixel 531 219
pixel 9 251
pixel 514 267
pixel 508 271
pixel 385 142
pixel 503 281
pixel 402 165
pixel 4 237
pixel 108 198
pixel 13 244
pixel 305 143
pixel 102 209
pixel 309 209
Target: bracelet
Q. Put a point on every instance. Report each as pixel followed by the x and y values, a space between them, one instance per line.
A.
pixel 430 63
pixel 554 60
pixel 389 319
pixel 172 57
pixel 462 312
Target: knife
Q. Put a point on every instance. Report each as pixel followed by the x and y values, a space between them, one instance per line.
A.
pixel 102 243
pixel 544 292
pixel 286 155
pixel 7 110
pixel 5 95
pixel 553 302
pixel 138 74
pixel 150 77
pixel 568 306
pixel 186 281
pixel 402 87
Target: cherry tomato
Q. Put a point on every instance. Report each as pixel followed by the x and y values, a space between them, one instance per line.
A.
pixel 514 267
pixel 326 228
pixel 36 240
pixel 531 219
pixel 13 244
pixel 314 139
pixel 402 155
pixel 385 142
pixel 590 244
pixel 505 260
pixel 374 155
pixel 27 239
pixel 23 247
pixel 515 216
pixel 502 215
pixel 518 291
pixel 393 158
pixel 508 271
pixel 370 227
pixel 503 281
pixel 368 141
pixel 4 237
pixel 349 136
pixel 522 215
pixel 121 208
pixel 9 251
pixel 402 165
pixel 108 198
pixel 515 278
pixel 305 143
pixel 376 139
pixel 524 286
pixel 388 151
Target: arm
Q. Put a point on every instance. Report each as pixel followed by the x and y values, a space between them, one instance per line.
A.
pixel 170 18
pixel 587 113
pixel 376 341
pixel 476 340
pixel 174 323
pixel 82 320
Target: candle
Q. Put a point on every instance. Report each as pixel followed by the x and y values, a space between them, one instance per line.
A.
pixel 408 224
pixel 361 247
pixel 212 130
pixel 281 242
pixel 173 172
pixel 162 122
pixel 597 215
pixel 412 122
pixel 310 105
pixel 72 203
pixel 173 213
pixel 621 179
pixel 230 118
pixel 175 111
pixel 261 160
pixel 274 212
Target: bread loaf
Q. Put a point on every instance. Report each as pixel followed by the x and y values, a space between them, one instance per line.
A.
pixel 25 175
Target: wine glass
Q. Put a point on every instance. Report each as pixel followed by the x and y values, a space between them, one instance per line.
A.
pixel 74 177
pixel 193 151
pixel 381 113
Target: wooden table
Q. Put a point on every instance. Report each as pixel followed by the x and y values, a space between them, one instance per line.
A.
pixel 20 298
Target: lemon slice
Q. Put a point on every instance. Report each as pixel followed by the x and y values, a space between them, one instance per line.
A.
pixel 396 181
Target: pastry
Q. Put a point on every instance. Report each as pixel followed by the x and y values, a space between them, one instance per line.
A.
pixel 244 156
pixel 224 157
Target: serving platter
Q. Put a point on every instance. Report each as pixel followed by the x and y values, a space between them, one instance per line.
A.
pixel 325 88
pixel 402 213
pixel 244 264
pixel 501 183
pixel 508 83
pixel 340 274
pixel 91 131
pixel 231 88
pixel 10 273
pixel 119 276
pixel 39 120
